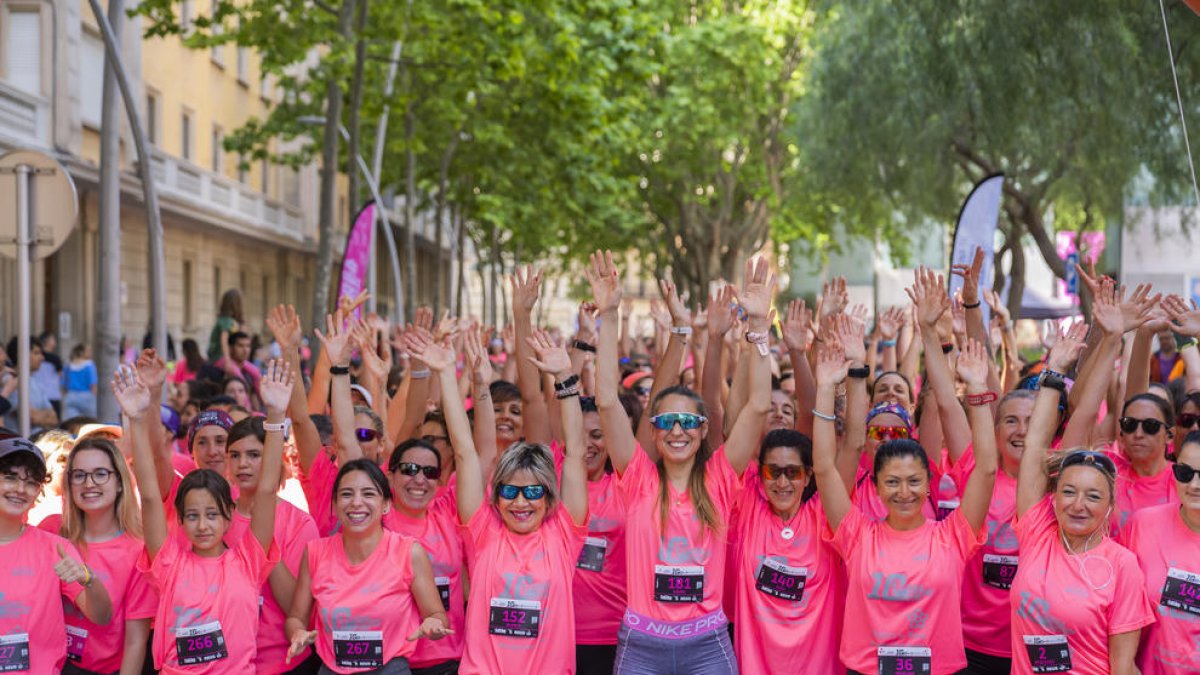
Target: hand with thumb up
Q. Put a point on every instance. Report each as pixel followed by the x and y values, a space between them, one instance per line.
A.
pixel 71 570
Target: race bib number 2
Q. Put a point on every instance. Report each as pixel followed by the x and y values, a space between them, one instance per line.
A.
pixel 1048 653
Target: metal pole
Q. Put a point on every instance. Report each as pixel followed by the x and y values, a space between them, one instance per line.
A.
pixel 376 169
pixel 373 184
pixel 108 296
pixel 158 284
pixel 24 291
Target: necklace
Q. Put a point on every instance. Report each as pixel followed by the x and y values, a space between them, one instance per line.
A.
pixel 787 532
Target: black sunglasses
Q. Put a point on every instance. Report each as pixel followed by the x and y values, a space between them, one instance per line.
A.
pixel 366 435
pixel 1149 425
pixel 1097 459
pixel 1183 472
pixel 1188 420
pixel 412 469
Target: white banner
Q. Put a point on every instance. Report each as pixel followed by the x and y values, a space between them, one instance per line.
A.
pixel 977 228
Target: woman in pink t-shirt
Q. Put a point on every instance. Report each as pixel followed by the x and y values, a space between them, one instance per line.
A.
pixel 37 570
pixel 1078 601
pixel 789 580
pixel 525 542
pixel 1166 541
pixel 904 574
pixel 208 589
pixel 293 530
pixel 1144 478
pixel 678 492
pixel 101 518
pixel 371 591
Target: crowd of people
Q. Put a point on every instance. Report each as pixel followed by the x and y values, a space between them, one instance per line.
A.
pixel 748 489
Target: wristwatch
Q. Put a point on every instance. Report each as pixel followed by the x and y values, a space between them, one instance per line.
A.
pixel 1053 381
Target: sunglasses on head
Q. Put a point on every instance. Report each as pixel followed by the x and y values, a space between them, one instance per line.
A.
pixel 412 469
pixel 1188 420
pixel 887 433
pixel 531 492
pixel 366 435
pixel 1183 472
pixel 686 420
pixel 1097 459
pixel 772 472
pixel 1149 425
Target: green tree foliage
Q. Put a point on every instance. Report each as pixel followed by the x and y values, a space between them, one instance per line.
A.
pixel 912 102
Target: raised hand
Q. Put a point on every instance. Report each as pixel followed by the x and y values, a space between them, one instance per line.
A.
pixel 796 325
pixel 70 570
pixel 526 286
pixel 548 357
pixel 850 334
pixel 432 628
pixel 275 388
pixel 131 392
pixel 1066 350
pixel 347 305
pixel 436 356
pixel 890 323
pixel 1137 309
pixel 284 324
pixel 959 315
pixel 337 339
pixel 1092 280
pixel 447 327
pixel 1185 317
pixel 970 276
pixel 722 311
pixel 423 318
pixel 476 356
pixel 152 368
pixel 660 315
pixel 973 364
pixel 928 294
pixel 832 364
pixel 586 319
pixel 605 280
pixel 834 297
pixel 758 289
pixel 680 315
pixel 379 366
pixel 992 298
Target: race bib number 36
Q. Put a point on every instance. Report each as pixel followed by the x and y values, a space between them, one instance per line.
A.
pixel 905 660
pixel 200 644
pixel 358 649
pixel 14 652
pixel 678 584
pixel 1048 653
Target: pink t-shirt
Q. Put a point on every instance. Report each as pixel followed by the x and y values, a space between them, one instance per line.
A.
pixel 114 562
pixel 366 611
pixel 439 534
pixel 686 552
pixel 985 607
pixel 520 613
pixel 1052 595
pixel 32 625
pixel 1135 492
pixel 600 577
pixel 1164 545
pixel 293 530
pixel 904 591
pixel 318 490
pixel 790 592
pixel 208 606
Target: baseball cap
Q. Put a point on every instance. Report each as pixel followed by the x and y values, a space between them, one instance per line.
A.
pixel 94 429
pixel 15 444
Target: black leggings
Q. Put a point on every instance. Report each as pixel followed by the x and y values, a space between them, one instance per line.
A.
pixel 595 659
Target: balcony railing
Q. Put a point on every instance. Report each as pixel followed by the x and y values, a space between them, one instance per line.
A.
pixel 24 118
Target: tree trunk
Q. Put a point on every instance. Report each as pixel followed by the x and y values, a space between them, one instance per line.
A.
pixel 329 171
pixel 108 309
pixel 443 179
pixel 1016 287
pixel 410 197
pixel 456 216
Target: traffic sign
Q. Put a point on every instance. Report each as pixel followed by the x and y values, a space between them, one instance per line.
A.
pixel 53 205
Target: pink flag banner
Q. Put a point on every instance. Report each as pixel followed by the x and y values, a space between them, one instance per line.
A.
pixel 358 255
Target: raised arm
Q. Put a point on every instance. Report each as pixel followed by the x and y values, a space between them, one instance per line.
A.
pixel 337 341
pixel 721 315
pixel 795 337
pixel 977 330
pixel 605 281
pixel 831 368
pixel 284 324
pixel 849 333
pixel 525 290
pixel 756 296
pixel 555 362
pixel 974 369
pixel 666 371
pixel 1032 481
pixel 276 391
pixel 928 293
pixel 153 372
pixel 1091 387
pixel 134 398
pixel 468 471
pixel 890 323
pixel 484 428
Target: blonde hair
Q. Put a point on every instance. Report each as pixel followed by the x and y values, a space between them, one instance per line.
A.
pixel 129 518
pixel 534 458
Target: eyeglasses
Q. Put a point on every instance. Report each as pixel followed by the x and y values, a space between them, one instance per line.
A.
pixel 431 439
pixel 772 472
pixel 1149 425
pixel 1188 420
pixel 366 435
pixel 99 476
pixel 412 469
pixel 887 433
pixel 642 391
pixel 531 492
pixel 667 421
pixel 1183 472
pixel 12 481
pixel 1097 459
